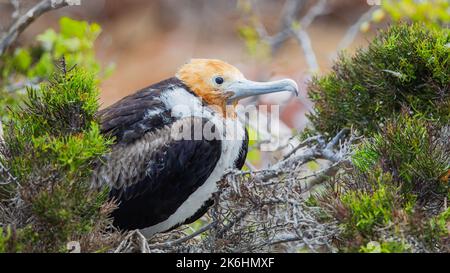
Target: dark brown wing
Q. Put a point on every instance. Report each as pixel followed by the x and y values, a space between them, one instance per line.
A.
pixel 139 113
pixel 151 177
pixel 238 164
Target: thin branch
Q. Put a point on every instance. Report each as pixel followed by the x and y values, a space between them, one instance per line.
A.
pixel 290 162
pixel 16 5
pixel 250 166
pixel 317 10
pixel 337 138
pixel 285 239
pixel 301 145
pixel 133 242
pixel 323 175
pixel 22 22
pixel 183 239
pixel 290 10
pixel 323 150
pixel 353 31
pixel 233 222
pixel 303 38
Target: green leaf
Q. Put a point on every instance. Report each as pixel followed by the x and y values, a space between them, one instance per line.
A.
pixel 22 59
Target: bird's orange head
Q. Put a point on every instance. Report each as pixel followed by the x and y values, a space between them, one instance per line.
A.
pixel 219 83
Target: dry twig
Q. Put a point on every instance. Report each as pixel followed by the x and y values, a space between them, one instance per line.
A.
pixel 265 210
pixel 353 31
pixel 288 19
pixel 23 21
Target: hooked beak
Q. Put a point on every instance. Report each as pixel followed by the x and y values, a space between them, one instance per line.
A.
pixel 246 88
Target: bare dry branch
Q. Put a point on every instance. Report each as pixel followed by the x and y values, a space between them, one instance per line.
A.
pixel 134 242
pixel 26 19
pixel 307 141
pixel 302 36
pixel 353 31
pixel 16 5
pixel 5 176
pixel 290 9
pixel 265 210
pixel 289 16
pixel 317 10
pixel 183 239
pixel 303 39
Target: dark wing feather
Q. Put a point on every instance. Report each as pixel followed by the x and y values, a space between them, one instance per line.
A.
pixel 239 163
pixel 151 177
pixel 139 113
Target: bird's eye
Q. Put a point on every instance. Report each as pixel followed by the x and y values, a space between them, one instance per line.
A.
pixel 218 80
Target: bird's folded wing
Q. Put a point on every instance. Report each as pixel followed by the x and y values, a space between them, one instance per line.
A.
pixel 159 159
pixel 139 113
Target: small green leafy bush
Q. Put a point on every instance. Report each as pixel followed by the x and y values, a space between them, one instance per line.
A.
pixel 406 65
pixel 26 66
pixel 415 151
pixel 74 42
pixel 395 93
pixel 370 208
pixel 429 11
pixel 51 144
pixel 396 192
pixel 385 247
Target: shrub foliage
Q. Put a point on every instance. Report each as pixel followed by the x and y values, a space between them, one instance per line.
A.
pixel 50 144
pixel 404 65
pixel 396 192
pixel 395 93
pixel 31 65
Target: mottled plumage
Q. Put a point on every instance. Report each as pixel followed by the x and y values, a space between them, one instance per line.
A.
pixel 130 118
pixel 150 171
pixel 159 177
pixel 140 176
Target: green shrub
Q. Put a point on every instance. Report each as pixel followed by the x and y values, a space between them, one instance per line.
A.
pixel 429 11
pixel 437 230
pixel 32 65
pixel 385 247
pixel 51 144
pixel 395 194
pixel 365 204
pixel 395 93
pixel 415 151
pixel 7 240
pixel 74 41
pixel 369 208
pixel 406 65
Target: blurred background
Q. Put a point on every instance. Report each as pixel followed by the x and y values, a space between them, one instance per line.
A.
pixel 132 44
pixel 148 40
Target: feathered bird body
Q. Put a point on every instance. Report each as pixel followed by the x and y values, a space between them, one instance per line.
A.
pixel 174 142
pixel 160 180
